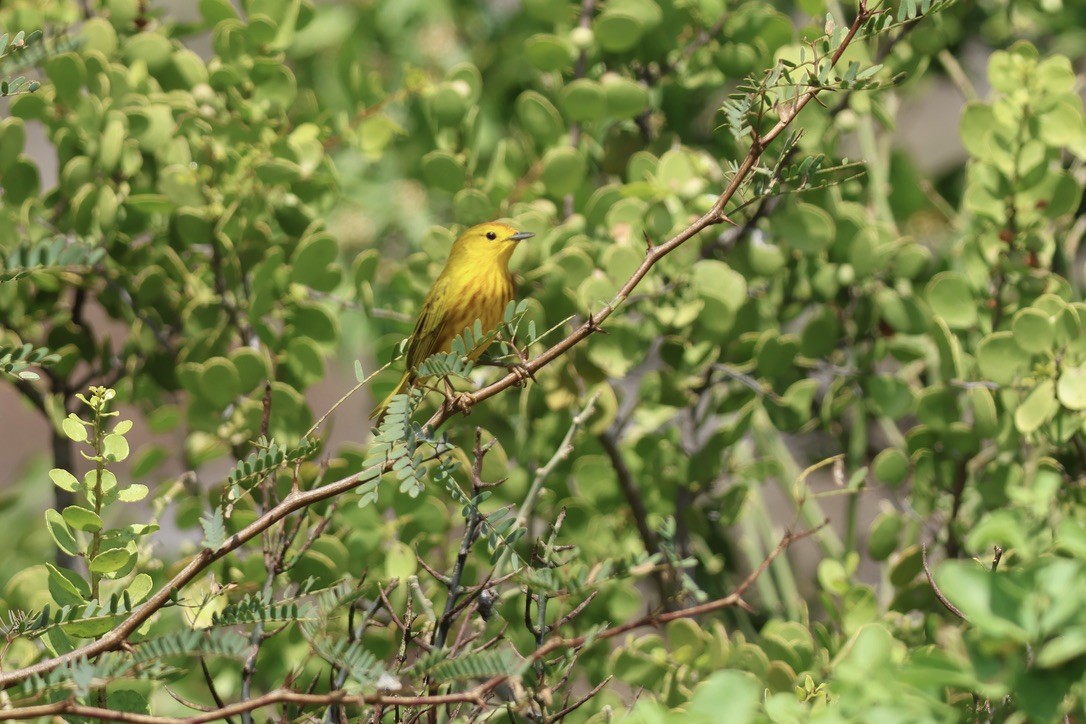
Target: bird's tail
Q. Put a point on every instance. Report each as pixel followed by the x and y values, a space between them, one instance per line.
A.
pixel 378 413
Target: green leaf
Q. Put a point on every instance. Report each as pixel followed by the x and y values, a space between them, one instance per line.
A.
pixel 625 98
pixel 890 466
pixel 443 170
pixel 1033 330
pixel 20 181
pixel 1000 358
pixel 305 361
pixel 219 381
pixel 976 128
pixel 832 576
pixel 617 31
pixel 548 53
pixel 312 258
pixel 1037 409
pixel 990 600
pixel 251 366
pixel 138 589
pixel 67 74
pixel 1071 388
pixel 985 417
pixel 61 533
pixel 735 692
pixel 450 102
pixel 472 206
pixel 937 407
pixel 67 587
pixel 564 170
pixel 112 144
pixel 376 133
pixel 82 519
pixel 804 227
pixel 550 11
pixel 64 480
pixel 12 140
pixel 133 493
pixel 885 535
pixel 538 117
pixel 951 298
pixel 214 528
pixel 115 447
pixel 128 700
pixel 400 561
pixel 110 561
pixel 584 100
pixel 890 396
pixel 74 428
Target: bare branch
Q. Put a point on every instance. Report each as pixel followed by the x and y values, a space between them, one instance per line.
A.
pixel 935 587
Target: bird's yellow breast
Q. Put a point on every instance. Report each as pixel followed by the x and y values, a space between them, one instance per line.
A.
pixel 483 297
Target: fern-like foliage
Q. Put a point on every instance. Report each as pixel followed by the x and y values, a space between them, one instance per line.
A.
pixel 193 642
pixel 256 608
pixel 84 620
pixel 48 255
pixel 427 661
pixel 478 665
pixel 397 442
pixel 15 362
pixel 270 457
pixel 334 597
pixel 19 623
pixel 20 50
pixel 83 675
pixel 307 604
pixel 145 661
pixel 576 579
pixel 363 668
pixel 499 527
pixel 214 525
pixel 26 50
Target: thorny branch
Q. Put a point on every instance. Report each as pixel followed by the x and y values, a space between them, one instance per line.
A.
pixel 471 532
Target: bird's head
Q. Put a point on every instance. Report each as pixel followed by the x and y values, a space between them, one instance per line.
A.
pixel 492 241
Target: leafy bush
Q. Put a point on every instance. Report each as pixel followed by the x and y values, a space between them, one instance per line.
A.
pixel 731 336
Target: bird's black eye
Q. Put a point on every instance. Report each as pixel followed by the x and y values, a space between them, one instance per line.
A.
pixel 491 235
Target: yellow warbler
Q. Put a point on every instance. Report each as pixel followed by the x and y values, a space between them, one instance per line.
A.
pixel 475 284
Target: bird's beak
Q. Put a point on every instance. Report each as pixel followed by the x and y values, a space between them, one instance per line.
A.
pixel 521 236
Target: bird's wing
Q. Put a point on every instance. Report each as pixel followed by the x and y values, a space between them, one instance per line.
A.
pixel 429 329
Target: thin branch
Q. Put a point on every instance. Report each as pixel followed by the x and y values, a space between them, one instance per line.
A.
pixel 565 448
pixel 935 587
pixel 582 701
pixel 638 510
pixel 471 533
pixel 211 687
pixel 280 696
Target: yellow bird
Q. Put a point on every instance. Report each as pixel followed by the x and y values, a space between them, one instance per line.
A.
pixel 475 284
